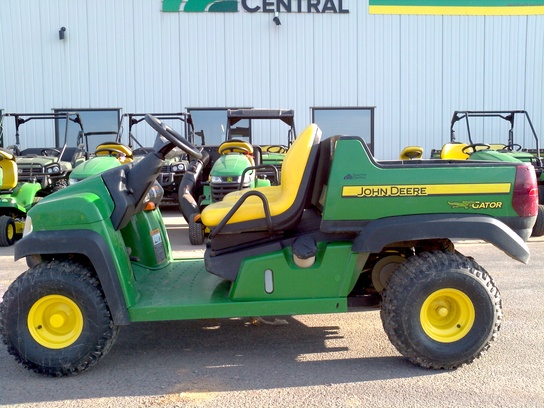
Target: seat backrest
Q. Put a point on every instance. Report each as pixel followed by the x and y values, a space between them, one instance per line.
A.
pixel 454 151
pixel 286 201
pixel 236 146
pixel 9 173
pixel 113 149
pixel 295 161
pixel 411 152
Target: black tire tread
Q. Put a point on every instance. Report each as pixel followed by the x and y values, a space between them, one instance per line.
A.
pixel 412 272
pixel 4 222
pixel 538 228
pixel 72 271
pixel 196 232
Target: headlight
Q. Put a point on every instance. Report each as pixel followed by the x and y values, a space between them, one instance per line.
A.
pixel 216 179
pixel 178 168
pixel 28 226
pixel 53 169
pixel 73 181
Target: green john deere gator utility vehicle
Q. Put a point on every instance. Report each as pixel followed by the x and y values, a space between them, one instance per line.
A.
pixel 342 232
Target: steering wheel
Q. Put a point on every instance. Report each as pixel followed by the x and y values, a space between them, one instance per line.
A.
pixel 474 146
pixel 276 149
pixel 513 146
pixel 172 136
pixel 45 151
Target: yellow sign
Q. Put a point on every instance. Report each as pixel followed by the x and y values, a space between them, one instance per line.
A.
pixel 457 7
pixel 415 190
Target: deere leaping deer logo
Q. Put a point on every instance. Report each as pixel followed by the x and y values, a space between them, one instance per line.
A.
pixel 199 6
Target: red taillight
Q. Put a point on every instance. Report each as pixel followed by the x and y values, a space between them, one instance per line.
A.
pixel 525 198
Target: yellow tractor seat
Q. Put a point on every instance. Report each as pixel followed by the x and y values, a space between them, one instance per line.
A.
pixel 285 201
pixel 8 167
pixel 454 151
pixel 235 146
pixel 119 150
pixel 411 152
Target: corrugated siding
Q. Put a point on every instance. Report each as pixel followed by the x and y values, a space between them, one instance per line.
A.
pixel 416 70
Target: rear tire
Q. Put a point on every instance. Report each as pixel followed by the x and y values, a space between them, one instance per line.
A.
pixel 196 231
pixel 55 320
pixel 538 228
pixel 8 231
pixel 441 310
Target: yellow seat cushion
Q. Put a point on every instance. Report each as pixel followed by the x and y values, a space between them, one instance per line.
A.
pixel 280 198
pixel 411 152
pixel 454 151
pixel 9 173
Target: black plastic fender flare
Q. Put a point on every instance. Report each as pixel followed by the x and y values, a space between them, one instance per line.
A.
pixel 84 242
pixel 379 233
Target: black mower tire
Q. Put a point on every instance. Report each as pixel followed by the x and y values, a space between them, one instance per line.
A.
pixel 55 321
pixel 8 231
pixel 196 231
pixel 441 310
pixel 538 228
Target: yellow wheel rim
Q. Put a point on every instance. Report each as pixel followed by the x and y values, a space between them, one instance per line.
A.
pixel 55 321
pixel 447 315
pixel 10 231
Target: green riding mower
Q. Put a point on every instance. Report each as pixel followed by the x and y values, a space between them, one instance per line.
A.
pixel 16 198
pixel 322 241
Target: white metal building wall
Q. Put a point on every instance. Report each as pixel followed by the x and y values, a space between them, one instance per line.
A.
pixel 416 70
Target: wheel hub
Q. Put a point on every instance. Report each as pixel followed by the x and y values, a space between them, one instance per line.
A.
pixel 55 321
pixel 447 315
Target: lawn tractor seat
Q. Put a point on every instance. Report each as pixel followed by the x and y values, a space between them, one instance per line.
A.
pixel 411 152
pixel 236 146
pixel 273 208
pixel 8 171
pixel 454 151
pixel 115 149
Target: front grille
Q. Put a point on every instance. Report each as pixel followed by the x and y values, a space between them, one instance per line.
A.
pixel 25 171
pixel 220 190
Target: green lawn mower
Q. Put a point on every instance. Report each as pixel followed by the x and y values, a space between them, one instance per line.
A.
pixel 323 241
pixel 16 198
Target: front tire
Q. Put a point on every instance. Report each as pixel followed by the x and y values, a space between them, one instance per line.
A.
pixel 55 320
pixel 441 310
pixel 8 231
pixel 196 231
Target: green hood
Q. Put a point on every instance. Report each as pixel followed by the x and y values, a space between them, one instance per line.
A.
pixel 94 166
pixel 230 165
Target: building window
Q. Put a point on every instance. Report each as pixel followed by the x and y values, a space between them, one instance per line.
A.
pixel 349 121
pixel 104 123
pixel 210 125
